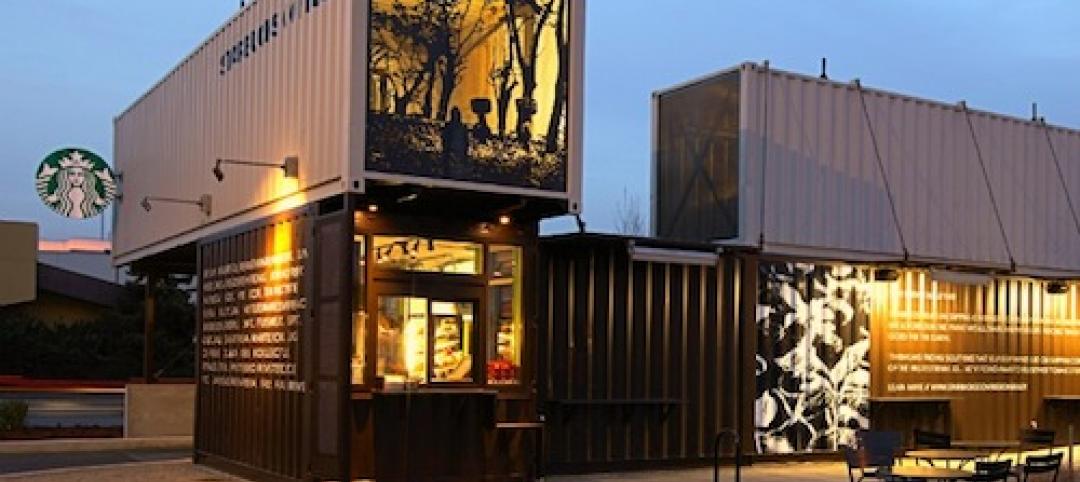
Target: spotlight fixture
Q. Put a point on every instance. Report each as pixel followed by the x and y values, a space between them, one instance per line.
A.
pixel 373 208
pixel 290 166
pixel 1057 288
pixel 886 275
pixel 218 173
pixel 505 219
pixel 204 202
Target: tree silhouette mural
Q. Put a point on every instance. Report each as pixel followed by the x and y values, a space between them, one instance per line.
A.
pixel 439 69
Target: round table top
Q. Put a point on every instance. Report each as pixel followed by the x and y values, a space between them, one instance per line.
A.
pixel 946 454
pixel 929 473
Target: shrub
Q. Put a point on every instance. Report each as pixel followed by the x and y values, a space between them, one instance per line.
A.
pixel 109 348
pixel 12 415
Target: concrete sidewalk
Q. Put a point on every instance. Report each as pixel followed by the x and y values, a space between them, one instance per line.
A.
pixel 164 471
pixel 94 445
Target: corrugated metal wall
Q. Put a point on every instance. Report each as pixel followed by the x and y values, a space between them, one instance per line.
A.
pixel 260 433
pixel 1020 159
pixel 833 170
pixel 996 354
pixel 640 361
pixel 289 96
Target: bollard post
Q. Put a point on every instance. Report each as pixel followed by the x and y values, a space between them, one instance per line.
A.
pixel 737 442
pixel 1072 439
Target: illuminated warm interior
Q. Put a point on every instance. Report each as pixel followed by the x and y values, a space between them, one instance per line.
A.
pixel 505 327
pixel 404 324
pixel 410 253
pixel 431 338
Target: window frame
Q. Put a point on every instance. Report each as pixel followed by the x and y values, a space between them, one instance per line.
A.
pixel 377 280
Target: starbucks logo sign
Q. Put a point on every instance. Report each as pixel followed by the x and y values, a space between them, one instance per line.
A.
pixel 76 183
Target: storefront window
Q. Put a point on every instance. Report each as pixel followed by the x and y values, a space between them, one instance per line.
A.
pixel 404 324
pixel 360 316
pixel 402 331
pixel 452 358
pixel 505 328
pixel 411 253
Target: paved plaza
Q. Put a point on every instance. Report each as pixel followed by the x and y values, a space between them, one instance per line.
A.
pixel 184 471
pixel 181 470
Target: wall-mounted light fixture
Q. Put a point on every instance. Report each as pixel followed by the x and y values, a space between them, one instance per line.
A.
pixel 1057 288
pixel 505 219
pixel 672 256
pixel 886 275
pixel 290 166
pixel 960 277
pixel 204 202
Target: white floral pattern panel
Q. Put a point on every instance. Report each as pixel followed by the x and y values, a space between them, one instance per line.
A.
pixel 813 365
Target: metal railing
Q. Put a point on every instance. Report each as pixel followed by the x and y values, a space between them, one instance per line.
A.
pixel 734 434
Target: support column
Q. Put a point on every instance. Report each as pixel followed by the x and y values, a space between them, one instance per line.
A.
pixel 149 318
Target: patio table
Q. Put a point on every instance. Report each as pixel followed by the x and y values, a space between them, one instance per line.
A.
pixel 929 473
pixel 963 456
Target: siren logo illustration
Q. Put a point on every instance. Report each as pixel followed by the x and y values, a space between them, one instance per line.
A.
pixel 76 183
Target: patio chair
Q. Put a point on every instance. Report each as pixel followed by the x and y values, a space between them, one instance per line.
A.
pixel 859 468
pixel 931 440
pixel 1039 465
pixel 991 471
pixel 875 455
pixel 1037 438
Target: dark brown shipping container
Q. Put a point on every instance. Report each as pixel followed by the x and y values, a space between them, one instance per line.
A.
pixel 253 432
pixel 641 363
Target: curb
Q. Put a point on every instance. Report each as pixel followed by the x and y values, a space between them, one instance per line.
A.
pixel 94 445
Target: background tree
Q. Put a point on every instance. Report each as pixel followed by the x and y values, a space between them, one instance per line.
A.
pixel 109 348
pixel 629 219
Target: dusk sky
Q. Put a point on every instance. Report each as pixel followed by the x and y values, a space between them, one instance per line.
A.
pixel 67 67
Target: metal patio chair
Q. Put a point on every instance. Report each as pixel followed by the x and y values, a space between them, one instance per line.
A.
pixel 991 471
pixel 874 456
pixel 1039 465
pixel 859 468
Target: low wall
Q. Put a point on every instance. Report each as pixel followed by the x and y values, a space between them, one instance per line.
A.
pixel 159 410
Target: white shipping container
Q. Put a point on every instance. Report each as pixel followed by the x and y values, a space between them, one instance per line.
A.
pixel 837 171
pixel 281 78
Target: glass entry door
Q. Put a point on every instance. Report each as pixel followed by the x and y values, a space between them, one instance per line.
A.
pixel 426 339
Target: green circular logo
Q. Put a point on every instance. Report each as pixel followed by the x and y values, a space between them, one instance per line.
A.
pixel 76 183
